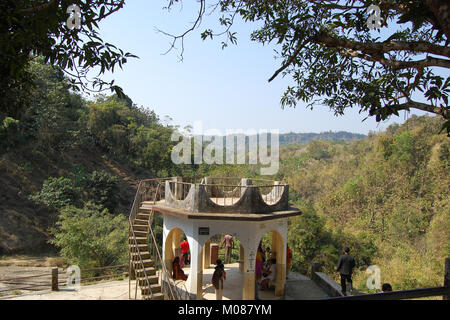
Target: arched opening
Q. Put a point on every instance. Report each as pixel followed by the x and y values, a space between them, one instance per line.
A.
pixel 233 259
pixel 177 255
pixel 270 266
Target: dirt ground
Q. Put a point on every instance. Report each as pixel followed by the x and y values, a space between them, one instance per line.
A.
pixel 26 274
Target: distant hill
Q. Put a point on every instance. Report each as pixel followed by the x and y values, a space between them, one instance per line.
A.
pixel 305 138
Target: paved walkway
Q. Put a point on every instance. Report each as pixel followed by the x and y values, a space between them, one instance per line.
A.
pixel 113 290
pixel 298 287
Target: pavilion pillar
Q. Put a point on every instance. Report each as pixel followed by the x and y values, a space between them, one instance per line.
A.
pixel 248 283
pixel 207 255
pixel 168 254
pixel 176 240
pixel 248 277
pixel 279 252
pixel 178 188
pixel 241 258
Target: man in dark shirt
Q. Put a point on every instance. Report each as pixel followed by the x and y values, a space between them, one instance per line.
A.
pixel 345 267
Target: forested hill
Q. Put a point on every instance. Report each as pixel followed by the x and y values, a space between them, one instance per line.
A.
pixel 64 150
pixel 305 138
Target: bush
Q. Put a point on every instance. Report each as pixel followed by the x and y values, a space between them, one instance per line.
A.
pixel 91 237
pixel 57 193
pixel 9 133
pixel 101 188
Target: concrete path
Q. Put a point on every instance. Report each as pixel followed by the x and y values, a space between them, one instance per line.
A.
pixel 298 287
pixel 113 290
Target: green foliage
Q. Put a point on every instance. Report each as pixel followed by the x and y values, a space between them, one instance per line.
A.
pixel 102 188
pixel 98 187
pixel 57 193
pixel 9 133
pixel 385 197
pixel 32 29
pixel 91 236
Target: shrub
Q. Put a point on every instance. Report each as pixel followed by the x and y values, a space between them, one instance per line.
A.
pixel 57 193
pixel 91 237
pixel 101 188
pixel 9 133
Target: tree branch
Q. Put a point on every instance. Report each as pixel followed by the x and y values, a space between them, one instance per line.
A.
pixel 290 60
pixel 381 47
pixel 444 112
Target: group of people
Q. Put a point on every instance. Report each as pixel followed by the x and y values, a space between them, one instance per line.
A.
pixel 265 267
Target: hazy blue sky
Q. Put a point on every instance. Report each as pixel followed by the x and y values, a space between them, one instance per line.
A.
pixel 224 89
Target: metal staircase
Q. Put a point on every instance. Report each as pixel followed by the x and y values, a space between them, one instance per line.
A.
pixel 147 267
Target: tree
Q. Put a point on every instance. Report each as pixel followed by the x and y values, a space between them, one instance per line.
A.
pixel 91 237
pixel 31 28
pixel 337 61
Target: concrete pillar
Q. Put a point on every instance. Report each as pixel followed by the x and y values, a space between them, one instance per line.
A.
pixel 168 252
pixel 248 285
pixel 178 188
pixel 195 279
pixel 245 182
pixel 241 258
pixel 176 240
pixel 248 277
pixel 279 250
pixel 207 255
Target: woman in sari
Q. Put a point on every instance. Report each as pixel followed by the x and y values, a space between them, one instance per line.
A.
pixel 177 272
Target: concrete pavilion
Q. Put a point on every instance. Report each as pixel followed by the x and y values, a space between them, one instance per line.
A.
pixel 244 208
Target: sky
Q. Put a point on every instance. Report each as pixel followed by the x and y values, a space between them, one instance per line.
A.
pixel 221 89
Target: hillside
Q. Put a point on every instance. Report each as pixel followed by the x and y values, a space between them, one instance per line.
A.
pixel 385 196
pixel 305 138
pixel 24 225
pixel 97 149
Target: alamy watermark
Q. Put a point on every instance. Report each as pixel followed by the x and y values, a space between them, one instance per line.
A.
pixel 374 20
pixel 232 147
pixel 74 20
pixel 374 280
pixel 73 277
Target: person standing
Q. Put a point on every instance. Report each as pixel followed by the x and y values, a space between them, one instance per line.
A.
pixel 184 245
pixel 217 279
pixel 229 244
pixel 345 267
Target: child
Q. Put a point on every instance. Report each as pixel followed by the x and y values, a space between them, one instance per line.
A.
pixel 217 279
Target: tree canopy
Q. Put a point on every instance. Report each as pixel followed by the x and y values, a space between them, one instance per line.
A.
pixel 337 61
pixel 31 28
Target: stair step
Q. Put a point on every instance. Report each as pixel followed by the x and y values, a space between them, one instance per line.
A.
pixel 140 233
pixel 151 279
pixel 147 263
pixel 145 254
pixel 140 222
pixel 140 272
pixel 141 246
pixel 140 227
pixel 139 240
pixel 141 216
pixel 156 288
pixel 156 296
